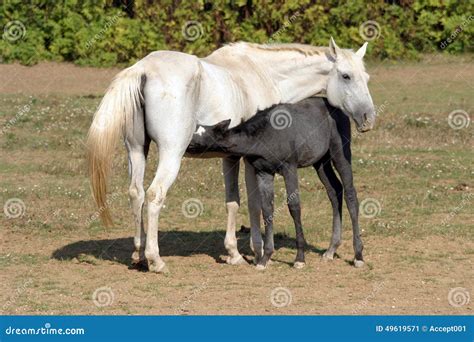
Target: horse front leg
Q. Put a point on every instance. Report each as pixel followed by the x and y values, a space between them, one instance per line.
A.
pixel 230 167
pixel 342 162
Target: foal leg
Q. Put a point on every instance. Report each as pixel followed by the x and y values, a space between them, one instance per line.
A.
pixel 266 189
pixel 293 199
pixel 136 161
pixel 334 190
pixel 342 161
pixel 230 167
pixel 255 209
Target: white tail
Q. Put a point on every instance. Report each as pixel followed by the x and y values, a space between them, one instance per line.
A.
pixel 115 113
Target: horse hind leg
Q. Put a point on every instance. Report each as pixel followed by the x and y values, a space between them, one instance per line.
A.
pixel 137 160
pixel 137 144
pixel 170 124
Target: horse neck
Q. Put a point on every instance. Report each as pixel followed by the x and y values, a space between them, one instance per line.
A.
pixel 296 76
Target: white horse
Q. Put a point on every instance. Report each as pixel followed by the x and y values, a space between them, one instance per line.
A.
pixel 166 94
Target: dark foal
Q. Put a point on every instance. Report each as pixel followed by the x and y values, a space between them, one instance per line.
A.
pixel 317 135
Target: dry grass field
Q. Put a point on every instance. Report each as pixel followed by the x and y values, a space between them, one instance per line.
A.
pixel 414 166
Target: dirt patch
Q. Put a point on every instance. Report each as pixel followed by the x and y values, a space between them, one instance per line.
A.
pixel 53 260
pixel 54 78
pixel 61 277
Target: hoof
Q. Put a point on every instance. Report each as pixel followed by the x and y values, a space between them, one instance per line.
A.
pixel 327 256
pixel 239 260
pixel 260 267
pixel 358 263
pixel 161 268
pixel 257 259
pixel 299 264
pixel 136 259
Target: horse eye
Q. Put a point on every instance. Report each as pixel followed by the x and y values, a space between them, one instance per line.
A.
pixel 346 76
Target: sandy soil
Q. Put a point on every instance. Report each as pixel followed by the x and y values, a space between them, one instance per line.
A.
pixel 59 270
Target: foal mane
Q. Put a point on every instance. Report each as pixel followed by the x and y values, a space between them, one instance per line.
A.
pixel 253 125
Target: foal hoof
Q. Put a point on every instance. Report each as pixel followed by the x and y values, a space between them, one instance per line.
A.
pixel 260 267
pixel 358 263
pixel 239 260
pixel 299 264
pixel 139 264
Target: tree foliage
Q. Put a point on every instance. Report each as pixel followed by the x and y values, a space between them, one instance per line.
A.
pixel 110 32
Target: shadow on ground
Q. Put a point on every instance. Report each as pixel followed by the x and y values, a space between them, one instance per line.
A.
pixel 172 243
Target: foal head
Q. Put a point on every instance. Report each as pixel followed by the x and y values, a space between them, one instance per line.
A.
pixel 347 86
pixel 209 138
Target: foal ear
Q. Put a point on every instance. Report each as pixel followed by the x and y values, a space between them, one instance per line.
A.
pixel 361 52
pixel 222 126
pixel 333 48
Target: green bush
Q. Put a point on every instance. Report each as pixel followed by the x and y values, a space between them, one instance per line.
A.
pixel 111 32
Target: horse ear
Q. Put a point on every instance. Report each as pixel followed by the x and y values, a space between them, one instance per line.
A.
pixel 333 48
pixel 361 52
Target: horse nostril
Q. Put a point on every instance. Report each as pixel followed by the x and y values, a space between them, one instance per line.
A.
pixel 365 116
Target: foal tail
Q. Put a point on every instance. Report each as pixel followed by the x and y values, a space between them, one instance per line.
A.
pixel 114 115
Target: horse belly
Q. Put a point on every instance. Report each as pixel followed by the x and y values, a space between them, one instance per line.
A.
pixel 220 98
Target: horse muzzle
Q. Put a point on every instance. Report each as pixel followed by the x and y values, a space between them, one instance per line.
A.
pixel 366 126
